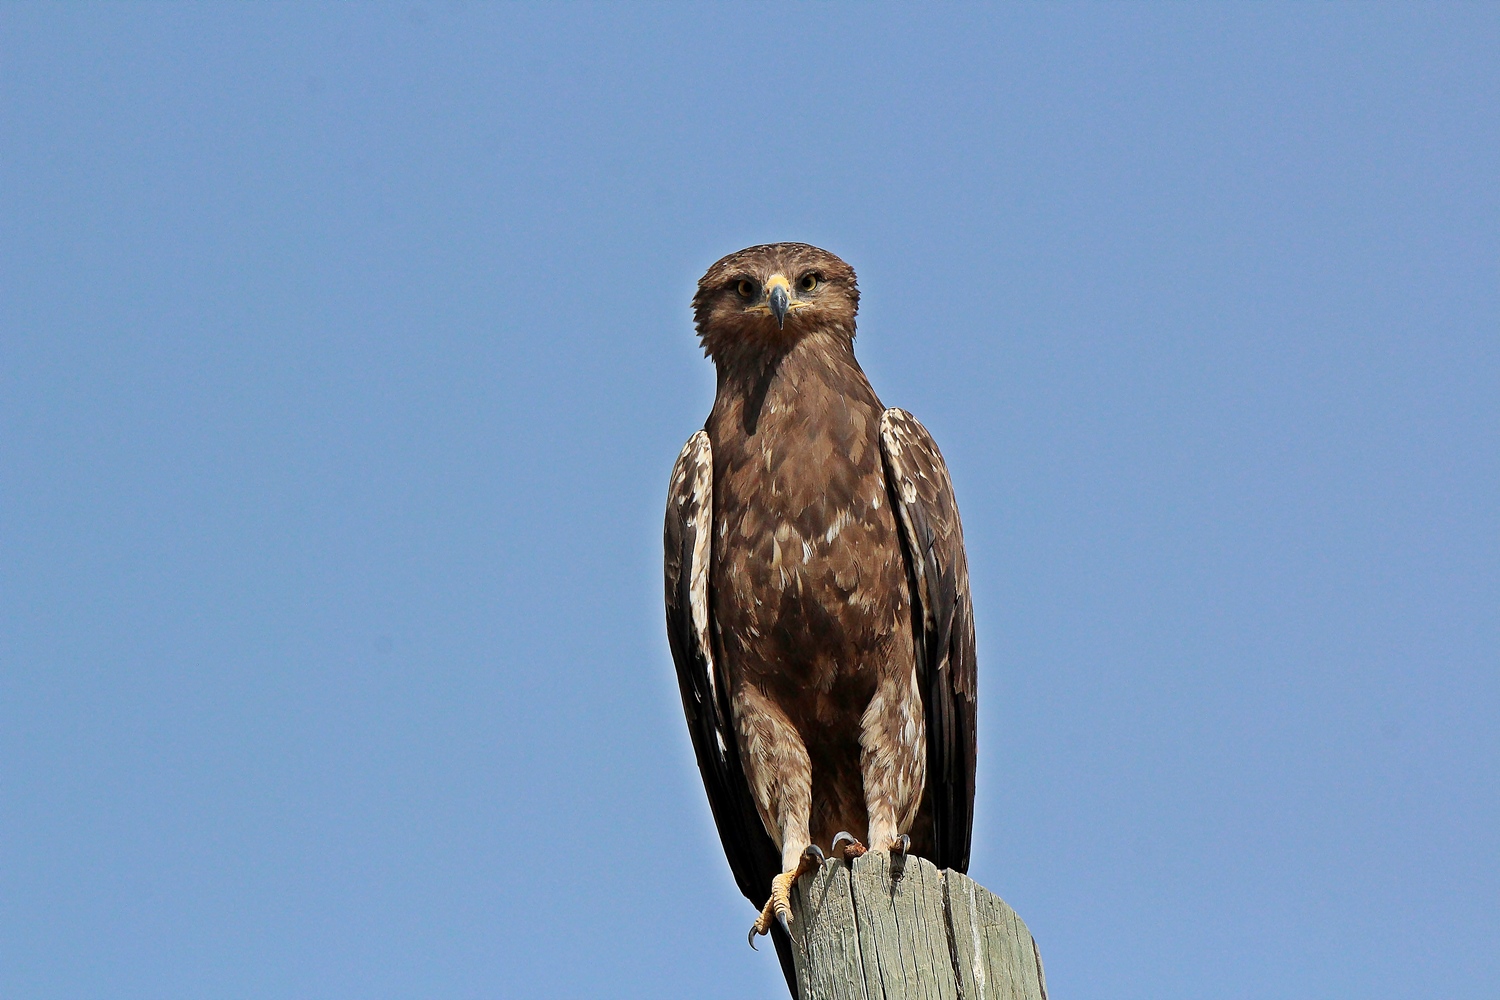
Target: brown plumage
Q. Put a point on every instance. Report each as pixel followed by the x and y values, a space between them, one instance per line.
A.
pixel 817 594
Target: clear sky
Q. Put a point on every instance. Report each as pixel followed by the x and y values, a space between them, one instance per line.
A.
pixel 345 351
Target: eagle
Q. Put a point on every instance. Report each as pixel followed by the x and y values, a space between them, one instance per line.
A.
pixel 817 593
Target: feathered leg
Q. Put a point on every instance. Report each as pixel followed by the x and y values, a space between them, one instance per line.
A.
pixel 893 761
pixel 780 776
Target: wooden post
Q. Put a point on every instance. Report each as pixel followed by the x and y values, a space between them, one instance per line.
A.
pixel 864 932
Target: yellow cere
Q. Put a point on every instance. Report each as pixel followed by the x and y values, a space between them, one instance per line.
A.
pixel 775 281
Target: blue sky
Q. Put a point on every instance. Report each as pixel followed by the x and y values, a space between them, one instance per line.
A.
pixel 345 350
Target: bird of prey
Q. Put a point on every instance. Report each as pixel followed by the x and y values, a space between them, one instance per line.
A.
pixel 817 593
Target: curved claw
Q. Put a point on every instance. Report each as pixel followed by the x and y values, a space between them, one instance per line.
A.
pixel 852 847
pixel 901 844
pixel 779 906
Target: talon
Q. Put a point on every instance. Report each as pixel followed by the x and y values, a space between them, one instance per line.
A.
pixel 901 845
pixel 773 910
pixel 779 906
pixel 853 849
pixel 762 923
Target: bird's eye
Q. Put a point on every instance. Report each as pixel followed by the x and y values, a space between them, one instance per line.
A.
pixel 808 281
pixel 746 288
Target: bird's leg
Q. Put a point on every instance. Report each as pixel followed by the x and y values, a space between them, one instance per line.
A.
pixel 852 849
pixel 780 776
pixel 893 760
pixel 779 906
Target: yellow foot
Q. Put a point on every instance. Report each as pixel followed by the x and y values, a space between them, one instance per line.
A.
pixel 852 847
pixel 779 906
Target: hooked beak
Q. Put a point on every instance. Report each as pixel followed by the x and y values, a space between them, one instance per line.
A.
pixel 779 297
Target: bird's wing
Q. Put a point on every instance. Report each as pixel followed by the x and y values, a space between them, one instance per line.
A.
pixel 932 541
pixel 705 697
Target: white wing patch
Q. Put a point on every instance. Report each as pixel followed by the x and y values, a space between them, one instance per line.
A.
pixel 895 437
pixel 700 467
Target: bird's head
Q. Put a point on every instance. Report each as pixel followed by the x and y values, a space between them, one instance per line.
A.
pixel 766 297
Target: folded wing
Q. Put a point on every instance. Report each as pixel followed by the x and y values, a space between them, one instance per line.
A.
pixel 753 857
pixel 943 620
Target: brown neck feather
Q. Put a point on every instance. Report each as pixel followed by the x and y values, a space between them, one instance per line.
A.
pixel 821 355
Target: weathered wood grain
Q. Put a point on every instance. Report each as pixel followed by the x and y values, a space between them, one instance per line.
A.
pixel 874 931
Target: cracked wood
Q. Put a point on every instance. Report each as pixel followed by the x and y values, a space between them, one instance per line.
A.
pixel 866 932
